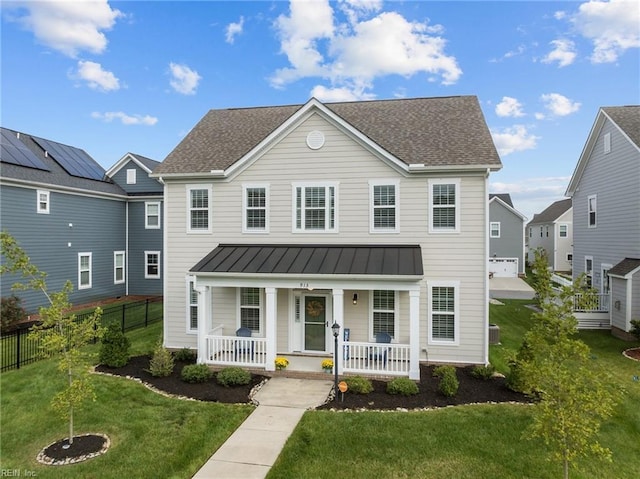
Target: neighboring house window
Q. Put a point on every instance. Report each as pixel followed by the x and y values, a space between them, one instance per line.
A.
pixel 444 206
pixel 192 313
pixel 443 313
pixel 384 312
pixel 494 229
pixel 118 267
pixel 547 231
pixel 563 229
pixel 606 281
pixel 588 269
pixel 255 204
pixel 84 270
pixel 42 206
pixel 384 201
pixel 315 208
pixel 569 257
pixel 607 143
pixel 152 215
pixel 592 210
pixel 530 232
pixel 199 217
pixel 152 264
pixel 131 176
pixel 250 309
pixel 541 232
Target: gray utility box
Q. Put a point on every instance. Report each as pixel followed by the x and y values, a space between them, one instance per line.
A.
pixel 494 334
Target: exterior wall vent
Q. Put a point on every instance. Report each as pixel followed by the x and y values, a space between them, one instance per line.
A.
pixel 315 140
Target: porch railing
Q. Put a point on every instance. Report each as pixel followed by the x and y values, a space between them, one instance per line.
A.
pixel 376 358
pixel 596 303
pixel 235 350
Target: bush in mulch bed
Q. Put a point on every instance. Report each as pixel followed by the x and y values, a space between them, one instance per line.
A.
pixel 173 384
pixel 471 390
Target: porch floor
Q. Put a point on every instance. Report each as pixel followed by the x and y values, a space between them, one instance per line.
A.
pixel 304 363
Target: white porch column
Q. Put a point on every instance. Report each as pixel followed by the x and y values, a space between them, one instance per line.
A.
pixel 414 335
pixel 204 312
pixel 271 306
pixel 338 317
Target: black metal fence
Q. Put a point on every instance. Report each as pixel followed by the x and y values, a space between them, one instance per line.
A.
pixel 17 348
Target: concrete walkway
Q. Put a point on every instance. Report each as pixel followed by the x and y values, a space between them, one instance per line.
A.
pixel 252 449
pixel 510 288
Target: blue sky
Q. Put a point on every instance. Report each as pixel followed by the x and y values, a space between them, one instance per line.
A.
pixel 113 77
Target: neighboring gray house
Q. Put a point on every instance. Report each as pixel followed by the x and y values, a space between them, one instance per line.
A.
pixel 76 223
pixel 371 216
pixel 552 231
pixel 506 237
pixel 605 190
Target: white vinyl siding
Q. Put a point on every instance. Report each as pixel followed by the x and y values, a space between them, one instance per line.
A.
pixel 444 206
pixel 152 264
pixel 152 215
pixel 43 202
pixel 444 321
pixel 384 200
pixel 315 207
pixel 255 207
pixel 199 209
pixel 85 272
pixel 118 267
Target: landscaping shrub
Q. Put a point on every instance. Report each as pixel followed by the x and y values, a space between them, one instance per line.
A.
pixel 483 372
pixel 402 386
pixel 161 363
pixel 11 312
pixel 196 373
pixel 635 330
pixel 233 376
pixel 448 380
pixel 359 385
pixel 185 355
pixel 441 371
pixel 114 350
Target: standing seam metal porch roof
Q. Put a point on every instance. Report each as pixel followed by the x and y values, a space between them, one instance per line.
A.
pixel 382 260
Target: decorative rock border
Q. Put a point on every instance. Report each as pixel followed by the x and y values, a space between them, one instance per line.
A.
pixel 50 461
pixel 624 353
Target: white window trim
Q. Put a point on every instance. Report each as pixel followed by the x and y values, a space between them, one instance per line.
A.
pixel 491 225
pixel 396 313
pixel 115 267
pixel 321 184
pixel 588 258
pixel 190 280
pixel 209 189
pixel 589 198
pixel 131 176
pixel 456 319
pixel 245 228
pixel 445 181
pixel 372 184
pixel 47 209
pixel 146 265
pixel 260 307
pixel 146 215
pixel 560 230
pixel 80 285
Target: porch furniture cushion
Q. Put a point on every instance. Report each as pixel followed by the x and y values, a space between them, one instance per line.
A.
pixel 243 347
pixel 379 353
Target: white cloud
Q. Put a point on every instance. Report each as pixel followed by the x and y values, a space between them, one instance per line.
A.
pixel 361 49
pixel 96 77
pixel 563 52
pixel 124 118
pixel 184 80
pixel 559 105
pixel 510 107
pixel 512 139
pixel 233 30
pixel 69 27
pixel 325 94
pixel 612 27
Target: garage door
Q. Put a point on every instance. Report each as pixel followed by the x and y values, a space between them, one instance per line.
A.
pixel 504 267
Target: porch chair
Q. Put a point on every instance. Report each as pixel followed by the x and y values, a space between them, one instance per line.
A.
pixel 242 346
pixel 379 353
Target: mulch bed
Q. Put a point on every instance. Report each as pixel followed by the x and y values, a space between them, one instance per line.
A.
pixel 633 353
pixel 83 447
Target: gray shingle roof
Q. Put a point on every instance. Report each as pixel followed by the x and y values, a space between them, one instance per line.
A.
pixel 148 162
pixel 552 212
pixel 627 118
pixel 625 267
pixel 448 131
pixel 506 197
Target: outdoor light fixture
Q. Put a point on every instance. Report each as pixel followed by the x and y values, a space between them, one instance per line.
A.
pixel 335 328
pixel 355 298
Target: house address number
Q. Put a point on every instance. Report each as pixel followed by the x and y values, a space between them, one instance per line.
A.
pixel 304 285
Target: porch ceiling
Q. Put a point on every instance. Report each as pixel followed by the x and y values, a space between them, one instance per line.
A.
pixel 385 260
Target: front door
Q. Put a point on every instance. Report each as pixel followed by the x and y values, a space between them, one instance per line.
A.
pixel 315 323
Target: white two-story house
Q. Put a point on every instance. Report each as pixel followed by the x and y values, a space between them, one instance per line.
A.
pixel 283 221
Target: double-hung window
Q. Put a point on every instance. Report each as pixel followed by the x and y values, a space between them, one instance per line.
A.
pixel 84 270
pixel 118 267
pixel 255 202
pixel 192 307
pixel 384 206
pixel 199 209
pixel 443 313
pixel 152 264
pixel 152 215
pixel 588 269
pixel 495 229
pixel 444 206
pixel 250 309
pixel 384 312
pixel 563 231
pixel 43 203
pixel 592 211
pixel 315 208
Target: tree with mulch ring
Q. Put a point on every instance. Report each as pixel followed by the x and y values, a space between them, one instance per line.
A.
pixel 83 447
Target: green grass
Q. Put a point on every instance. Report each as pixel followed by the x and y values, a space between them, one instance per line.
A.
pixel 151 435
pixel 483 441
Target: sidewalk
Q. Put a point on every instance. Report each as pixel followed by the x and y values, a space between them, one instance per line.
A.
pixel 252 449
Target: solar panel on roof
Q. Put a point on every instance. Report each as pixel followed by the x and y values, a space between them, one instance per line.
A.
pixel 74 160
pixel 13 151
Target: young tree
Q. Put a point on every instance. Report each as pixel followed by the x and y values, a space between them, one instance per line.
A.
pixel 575 394
pixel 59 334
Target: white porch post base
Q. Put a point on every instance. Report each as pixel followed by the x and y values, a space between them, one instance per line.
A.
pixel 204 303
pixel 270 328
pixel 414 335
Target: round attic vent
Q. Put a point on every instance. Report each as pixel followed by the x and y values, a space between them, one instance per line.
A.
pixel 315 140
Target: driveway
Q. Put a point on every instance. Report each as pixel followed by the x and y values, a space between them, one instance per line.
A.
pixel 510 288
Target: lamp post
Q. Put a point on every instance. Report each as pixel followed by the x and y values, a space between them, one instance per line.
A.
pixel 335 327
